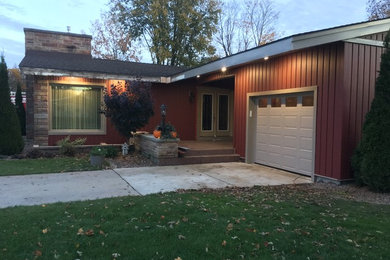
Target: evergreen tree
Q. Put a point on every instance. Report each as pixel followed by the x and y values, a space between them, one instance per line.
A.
pixel 20 109
pixel 371 161
pixel 11 141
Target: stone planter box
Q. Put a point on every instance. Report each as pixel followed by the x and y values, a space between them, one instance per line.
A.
pixel 156 149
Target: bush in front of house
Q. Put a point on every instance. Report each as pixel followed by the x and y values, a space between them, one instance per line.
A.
pixel 371 161
pixel 68 147
pixel 11 141
pixel 129 107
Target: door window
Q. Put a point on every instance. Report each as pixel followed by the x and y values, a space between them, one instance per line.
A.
pixel 207 112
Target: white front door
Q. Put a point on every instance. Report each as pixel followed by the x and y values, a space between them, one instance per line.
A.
pixel 285 130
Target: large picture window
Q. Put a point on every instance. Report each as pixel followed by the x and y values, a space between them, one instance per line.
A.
pixel 75 107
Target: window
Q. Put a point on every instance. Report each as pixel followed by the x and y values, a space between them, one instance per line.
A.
pixel 276 102
pixel 263 102
pixel 75 107
pixel 308 101
pixel 291 101
pixel 207 112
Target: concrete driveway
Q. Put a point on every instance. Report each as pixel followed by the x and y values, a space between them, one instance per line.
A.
pixel 49 188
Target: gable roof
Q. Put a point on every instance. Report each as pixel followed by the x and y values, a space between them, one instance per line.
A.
pixel 68 64
pixel 292 43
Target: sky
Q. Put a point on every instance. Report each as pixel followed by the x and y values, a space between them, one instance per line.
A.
pixel 295 16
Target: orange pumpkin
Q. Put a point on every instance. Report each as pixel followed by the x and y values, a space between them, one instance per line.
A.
pixel 157 133
pixel 173 134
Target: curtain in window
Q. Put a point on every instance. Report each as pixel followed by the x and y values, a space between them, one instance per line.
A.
pixel 75 107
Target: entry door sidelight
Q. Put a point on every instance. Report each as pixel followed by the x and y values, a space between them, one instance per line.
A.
pixel 207 112
pixel 223 112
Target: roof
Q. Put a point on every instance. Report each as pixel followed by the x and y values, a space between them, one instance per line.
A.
pixel 58 63
pixel 292 43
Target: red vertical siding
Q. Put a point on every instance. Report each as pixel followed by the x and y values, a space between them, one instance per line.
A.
pixel 322 67
pixel 361 66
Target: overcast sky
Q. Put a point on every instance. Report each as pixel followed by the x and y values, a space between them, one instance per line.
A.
pixel 296 16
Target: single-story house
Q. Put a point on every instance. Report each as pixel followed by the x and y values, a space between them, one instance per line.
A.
pixel 297 103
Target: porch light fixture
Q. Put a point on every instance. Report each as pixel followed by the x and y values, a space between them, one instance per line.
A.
pixel 223 69
pixel 266 58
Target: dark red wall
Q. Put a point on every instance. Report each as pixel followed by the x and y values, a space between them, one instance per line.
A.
pixel 111 137
pixel 181 108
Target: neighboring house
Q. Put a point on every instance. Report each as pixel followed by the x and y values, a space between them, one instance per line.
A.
pixel 297 103
pixel 13 95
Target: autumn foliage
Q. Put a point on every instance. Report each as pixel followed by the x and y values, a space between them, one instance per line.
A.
pixel 129 107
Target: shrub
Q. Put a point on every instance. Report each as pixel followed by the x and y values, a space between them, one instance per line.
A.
pixel 111 151
pixel 129 107
pixel 11 141
pixel 98 151
pixel 67 147
pixel 371 160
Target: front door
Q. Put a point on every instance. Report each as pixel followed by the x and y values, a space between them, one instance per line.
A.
pixel 215 112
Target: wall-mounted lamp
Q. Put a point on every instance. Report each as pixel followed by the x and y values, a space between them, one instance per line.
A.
pixel 198 76
pixel 223 69
pixel 266 58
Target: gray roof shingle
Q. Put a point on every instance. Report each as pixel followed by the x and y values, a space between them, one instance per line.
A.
pixel 85 63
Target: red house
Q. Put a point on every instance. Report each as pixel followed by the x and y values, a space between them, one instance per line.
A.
pixel 297 103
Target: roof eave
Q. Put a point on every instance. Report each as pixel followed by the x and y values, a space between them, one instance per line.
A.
pixel 271 49
pixel 91 75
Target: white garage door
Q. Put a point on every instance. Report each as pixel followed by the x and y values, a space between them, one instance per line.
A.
pixel 284 135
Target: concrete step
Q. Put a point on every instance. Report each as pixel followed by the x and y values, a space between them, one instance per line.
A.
pixel 198 159
pixel 185 152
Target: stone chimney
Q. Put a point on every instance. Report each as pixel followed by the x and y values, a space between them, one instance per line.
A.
pixel 41 40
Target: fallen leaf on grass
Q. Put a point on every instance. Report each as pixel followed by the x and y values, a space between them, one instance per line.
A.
pixel 37 253
pixel 181 237
pixel 178 258
pixel 251 230
pixel 89 232
pixel 44 231
pixel 224 243
pixel 80 232
pixel 229 227
pixel 39 244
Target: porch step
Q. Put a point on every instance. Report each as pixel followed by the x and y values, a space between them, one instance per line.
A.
pixel 197 152
pixel 198 159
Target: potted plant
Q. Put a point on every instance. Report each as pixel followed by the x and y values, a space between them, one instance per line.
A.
pixel 96 156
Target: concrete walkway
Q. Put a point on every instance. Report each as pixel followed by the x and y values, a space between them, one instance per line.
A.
pixel 49 188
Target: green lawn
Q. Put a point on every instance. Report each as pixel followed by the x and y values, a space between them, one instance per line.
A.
pixel 44 165
pixel 257 223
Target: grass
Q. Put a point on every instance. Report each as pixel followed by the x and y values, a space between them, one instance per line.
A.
pixel 44 165
pixel 257 223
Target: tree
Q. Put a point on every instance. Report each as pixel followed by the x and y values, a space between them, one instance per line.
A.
pixel 244 25
pixel 15 78
pixel 11 141
pixel 20 109
pixel 371 161
pixel 259 20
pixel 176 32
pixel 129 107
pixel 227 27
pixel 111 41
pixel 378 9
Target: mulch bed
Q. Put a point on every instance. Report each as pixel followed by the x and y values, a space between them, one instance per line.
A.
pixel 132 160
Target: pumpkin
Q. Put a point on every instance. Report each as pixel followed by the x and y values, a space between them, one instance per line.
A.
pixel 157 133
pixel 173 134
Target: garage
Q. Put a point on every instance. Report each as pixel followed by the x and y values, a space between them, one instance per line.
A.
pixel 285 126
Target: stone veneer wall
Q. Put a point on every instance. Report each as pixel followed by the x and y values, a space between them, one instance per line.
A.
pixel 41 40
pixel 37 107
pixel 37 118
pixel 156 148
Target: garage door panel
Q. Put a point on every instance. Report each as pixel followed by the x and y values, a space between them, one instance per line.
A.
pixel 290 141
pixel 285 137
